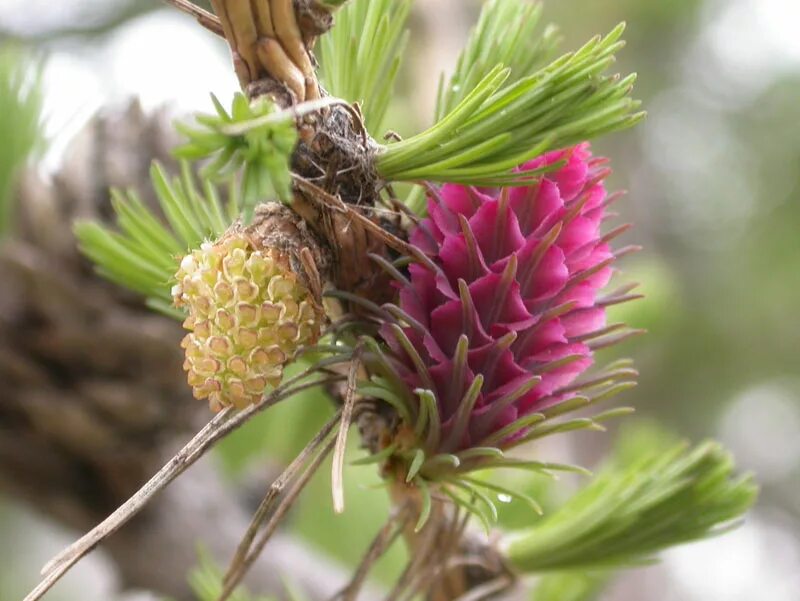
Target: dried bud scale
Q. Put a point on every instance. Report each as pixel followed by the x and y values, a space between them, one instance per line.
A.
pixel 250 308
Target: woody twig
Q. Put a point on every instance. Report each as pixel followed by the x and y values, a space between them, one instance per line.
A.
pixel 267 43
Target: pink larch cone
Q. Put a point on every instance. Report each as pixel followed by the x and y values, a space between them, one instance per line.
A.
pixel 510 296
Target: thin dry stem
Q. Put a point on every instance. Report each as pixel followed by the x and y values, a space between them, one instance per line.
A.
pixel 420 557
pixel 275 489
pixel 312 273
pixel 433 569
pixel 222 424
pixel 337 469
pixel 489 589
pixel 297 111
pixel 60 564
pixel 386 536
pixel 205 18
pixel 337 204
pixel 432 574
pixel 272 525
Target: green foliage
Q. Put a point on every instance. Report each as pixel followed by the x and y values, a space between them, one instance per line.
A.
pixel 206 583
pixel 20 120
pixel 570 586
pixel 361 55
pixel 252 144
pixel 143 254
pixel 254 138
pixel 497 127
pixel 517 513
pixel 652 496
pixel 505 35
pixel 333 4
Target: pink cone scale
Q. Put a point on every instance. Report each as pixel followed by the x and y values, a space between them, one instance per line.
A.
pixel 501 319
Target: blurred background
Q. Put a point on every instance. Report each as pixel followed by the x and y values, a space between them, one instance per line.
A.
pixel 713 176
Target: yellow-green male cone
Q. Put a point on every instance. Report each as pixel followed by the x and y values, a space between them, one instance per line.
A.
pixel 248 314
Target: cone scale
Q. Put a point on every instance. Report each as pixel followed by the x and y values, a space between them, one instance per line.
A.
pixel 248 314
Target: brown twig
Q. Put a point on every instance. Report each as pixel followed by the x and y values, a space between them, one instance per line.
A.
pixel 337 468
pixel 380 544
pixel 266 41
pixel 427 572
pixel 272 525
pixel 296 111
pixel 205 18
pixel 489 589
pixel 338 204
pixel 275 489
pixel 312 273
pixel 434 569
pixel 420 557
pixel 222 424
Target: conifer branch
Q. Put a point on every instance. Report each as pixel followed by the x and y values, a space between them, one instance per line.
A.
pixel 362 54
pixel 143 255
pixel 271 40
pixel 629 513
pixel 498 127
pixel 254 140
pixel 504 35
pixel 251 145
pixel 449 415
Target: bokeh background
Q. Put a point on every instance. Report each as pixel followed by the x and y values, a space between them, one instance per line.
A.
pixel 713 176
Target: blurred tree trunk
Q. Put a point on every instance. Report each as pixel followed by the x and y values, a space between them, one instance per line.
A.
pixel 93 397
